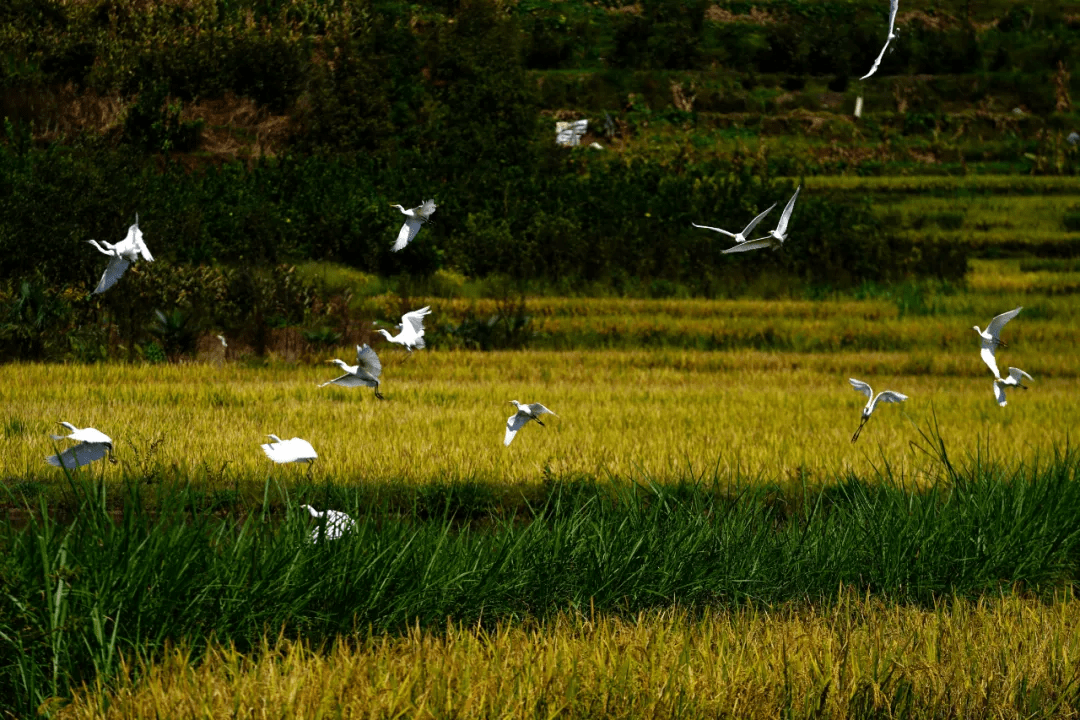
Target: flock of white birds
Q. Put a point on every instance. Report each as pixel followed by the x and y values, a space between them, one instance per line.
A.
pixel 92 445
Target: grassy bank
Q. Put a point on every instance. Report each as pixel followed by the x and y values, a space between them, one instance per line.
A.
pixel 135 582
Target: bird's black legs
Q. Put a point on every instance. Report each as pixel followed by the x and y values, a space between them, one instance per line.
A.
pixel 856 435
pixel 539 423
pixel 378 394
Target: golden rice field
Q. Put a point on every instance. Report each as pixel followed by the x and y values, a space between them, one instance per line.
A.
pixel 1000 657
pixel 663 414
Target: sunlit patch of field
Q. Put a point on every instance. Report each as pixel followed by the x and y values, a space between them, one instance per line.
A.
pixel 662 414
pixel 1006 657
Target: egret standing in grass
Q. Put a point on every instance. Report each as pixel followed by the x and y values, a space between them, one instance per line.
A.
pixel 742 236
pixel 887 396
pixel 92 446
pixel 121 255
pixel 1016 375
pixel 412 330
pixel 776 237
pixel 289 451
pixel 414 218
pixel 991 340
pixel 336 524
pixel 893 6
pixel 525 413
pixel 365 372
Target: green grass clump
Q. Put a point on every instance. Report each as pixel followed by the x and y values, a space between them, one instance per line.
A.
pixel 80 592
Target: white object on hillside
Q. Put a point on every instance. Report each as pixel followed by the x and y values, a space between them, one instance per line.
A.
pixel 893 5
pixel 569 134
pixel 525 413
pixel 337 524
pixel 414 219
pixel 289 451
pixel 222 339
pixel 740 237
pixel 365 372
pixel 1016 375
pixel 776 237
pixel 92 446
pixel 991 340
pixel 412 329
pixel 121 255
pixel 858 106
pixel 887 396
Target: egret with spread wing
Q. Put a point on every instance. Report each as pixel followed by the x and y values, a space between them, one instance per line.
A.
pixel 336 524
pixel 744 235
pixel 991 340
pixel 289 451
pixel 414 218
pixel 887 396
pixel 121 255
pixel 365 372
pixel 776 237
pixel 412 330
pixel 893 5
pixel 1016 375
pixel 92 446
pixel 525 413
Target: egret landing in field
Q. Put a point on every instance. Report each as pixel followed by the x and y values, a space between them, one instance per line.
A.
pixel 893 5
pixel 776 237
pixel 525 413
pixel 365 372
pixel 1016 375
pixel 412 330
pixel 884 396
pixel 414 218
pixel 289 451
pixel 336 524
pixel 121 255
pixel 742 236
pixel 991 340
pixel 93 445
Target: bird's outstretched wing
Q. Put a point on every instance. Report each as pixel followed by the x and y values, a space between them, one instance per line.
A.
pixel 714 229
pixel 79 455
pixel 426 210
pixel 879 57
pixel 278 452
pixel 999 393
pixel 757 244
pixel 538 409
pixel 754 223
pixel 987 354
pixel 1016 374
pixel 996 325
pixel 416 319
pixel 514 423
pixel 862 387
pixel 407 233
pixel 781 228
pixel 889 396
pixel 894 5
pixel 366 359
pixel 348 380
pixel 116 268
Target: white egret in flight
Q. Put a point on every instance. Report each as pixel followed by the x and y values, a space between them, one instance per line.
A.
pixel 289 451
pixel 337 524
pixel 991 340
pixel 884 396
pixel 525 413
pixel 121 255
pixel 412 329
pixel 1016 375
pixel 893 5
pixel 414 218
pixel 739 237
pixel 365 372
pixel 776 237
pixel 92 445
pixel 222 339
